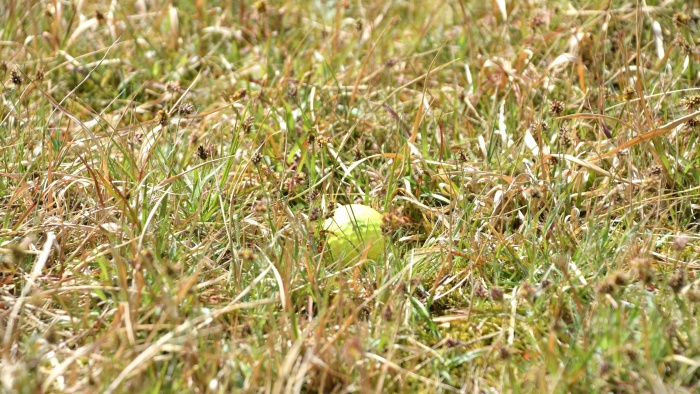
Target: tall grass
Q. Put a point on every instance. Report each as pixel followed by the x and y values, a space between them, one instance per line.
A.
pixel 165 170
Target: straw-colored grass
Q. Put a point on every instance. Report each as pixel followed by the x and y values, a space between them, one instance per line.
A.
pixel 165 169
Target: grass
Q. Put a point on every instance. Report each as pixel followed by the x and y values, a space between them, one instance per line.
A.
pixel 165 169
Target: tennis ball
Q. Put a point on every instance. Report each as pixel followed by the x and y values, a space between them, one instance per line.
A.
pixel 353 229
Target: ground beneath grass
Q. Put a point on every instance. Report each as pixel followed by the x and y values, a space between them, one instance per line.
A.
pixel 166 169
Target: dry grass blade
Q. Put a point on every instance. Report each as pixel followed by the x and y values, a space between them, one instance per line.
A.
pixel 429 382
pixel 41 260
pixel 186 158
pixel 588 165
pixel 649 135
pixel 63 367
pixel 82 125
pixel 154 348
pixel 364 65
pixel 414 80
pixel 602 117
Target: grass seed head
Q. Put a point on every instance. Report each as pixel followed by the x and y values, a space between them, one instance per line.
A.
pixel 185 109
pixel 497 293
pixel 205 152
pixel 540 126
pixel 606 286
pixel 565 136
pixel 388 313
pixel 541 18
pixel 315 214
pixel 480 291
pixel 683 46
pixel 556 107
pixel 359 24
pixel 322 141
pixel 527 291
pixel 643 269
pixel 247 124
pixel 100 17
pixel 313 195
pixel 162 116
pixel 16 77
pixel 681 18
pixel 680 242
pixel 260 206
pixel 238 95
pixel 292 90
pixel 691 103
pixel 677 281
pixel 172 86
pixel 654 171
pixel 248 255
pixel 504 353
pixel 620 278
pixel 260 6
pixel 392 221
pixel 533 193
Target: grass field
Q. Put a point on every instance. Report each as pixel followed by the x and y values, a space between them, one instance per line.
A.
pixel 166 169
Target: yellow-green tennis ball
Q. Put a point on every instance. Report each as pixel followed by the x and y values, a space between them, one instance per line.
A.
pixel 353 229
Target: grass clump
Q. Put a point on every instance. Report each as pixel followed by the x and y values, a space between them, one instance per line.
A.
pixel 166 169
